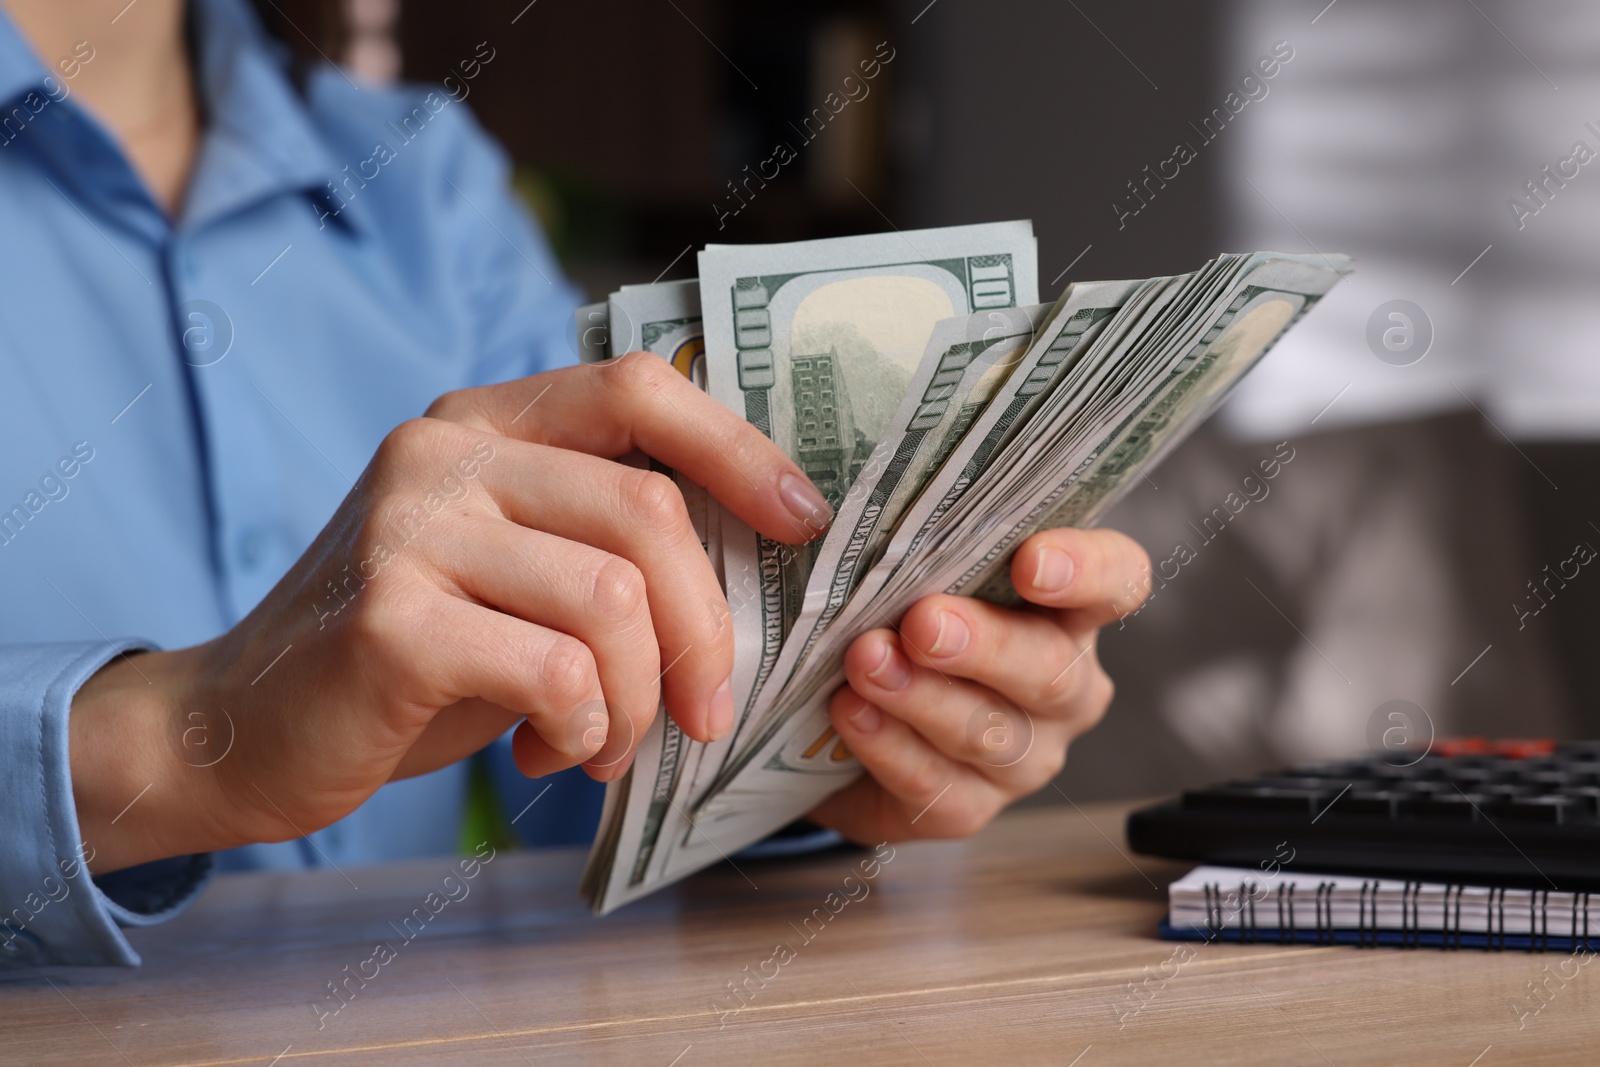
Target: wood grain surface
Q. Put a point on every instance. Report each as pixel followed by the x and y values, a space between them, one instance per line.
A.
pixel 1032 943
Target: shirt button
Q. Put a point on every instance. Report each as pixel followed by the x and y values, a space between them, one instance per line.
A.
pixel 253 547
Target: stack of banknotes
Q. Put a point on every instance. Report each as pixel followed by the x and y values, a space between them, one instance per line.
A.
pixel 947 415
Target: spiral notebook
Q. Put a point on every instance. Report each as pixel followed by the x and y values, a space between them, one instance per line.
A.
pixel 1241 904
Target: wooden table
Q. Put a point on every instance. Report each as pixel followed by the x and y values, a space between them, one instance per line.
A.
pixel 1019 946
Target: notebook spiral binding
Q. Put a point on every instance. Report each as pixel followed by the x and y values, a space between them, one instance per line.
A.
pixel 1411 932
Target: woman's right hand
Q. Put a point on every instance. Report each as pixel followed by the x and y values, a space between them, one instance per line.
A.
pixel 493 566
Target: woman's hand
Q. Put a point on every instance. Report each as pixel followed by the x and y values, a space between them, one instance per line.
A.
pixel 492 566
pixel 969 706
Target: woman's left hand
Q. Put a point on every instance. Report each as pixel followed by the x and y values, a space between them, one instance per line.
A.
pixel 966 707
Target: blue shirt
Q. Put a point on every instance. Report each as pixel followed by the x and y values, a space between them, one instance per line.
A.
pixel 184 403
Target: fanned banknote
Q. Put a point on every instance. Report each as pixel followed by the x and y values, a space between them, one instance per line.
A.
pixel 947 416
pixel 815 343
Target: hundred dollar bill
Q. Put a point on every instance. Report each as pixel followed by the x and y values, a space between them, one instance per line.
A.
pixel 814 343
pixel 978 446
pixel 1075 348
pixel 724 820
pixel 846 322
pixel 1146 361
pixel 966 360
pixel 1276 291
pixel 1124 362
pixel 1072 324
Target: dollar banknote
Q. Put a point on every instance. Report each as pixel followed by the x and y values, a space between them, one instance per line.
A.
pixel 947 416
pixel 966 360
pixel 815 344
pixel 1093 467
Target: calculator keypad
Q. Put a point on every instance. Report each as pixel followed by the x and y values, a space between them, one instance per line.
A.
pixel 1557 787
pixel 1519 812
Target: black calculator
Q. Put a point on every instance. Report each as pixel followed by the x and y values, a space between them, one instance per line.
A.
pixel 1469 811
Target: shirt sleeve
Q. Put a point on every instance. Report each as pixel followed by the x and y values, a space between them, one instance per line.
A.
pixel 522 303
pixel 54 912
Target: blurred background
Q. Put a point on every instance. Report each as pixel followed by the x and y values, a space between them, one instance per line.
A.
pixel 1427 537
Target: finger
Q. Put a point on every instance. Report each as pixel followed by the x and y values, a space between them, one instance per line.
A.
pixel 592 595
pixel 469 725
pixel 1028 657
pixel 454 734
pixel 965 722
pixel 639 516
pixel 1102 573
pixel 533 755
pixel 451 650
pixel 924 792
pixel 640 402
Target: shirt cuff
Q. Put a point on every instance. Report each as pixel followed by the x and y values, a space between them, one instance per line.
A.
pixel 51 910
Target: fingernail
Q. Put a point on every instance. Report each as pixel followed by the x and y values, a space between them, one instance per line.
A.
pixel 866 718
pixel 1054 571
pixel 804 502
pixel 719 719
pixel 953 635
pixel 892 672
